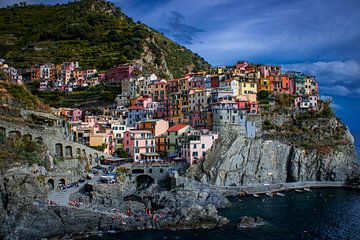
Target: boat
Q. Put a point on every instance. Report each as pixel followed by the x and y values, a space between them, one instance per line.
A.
pixel 280 194
pixel 307 189
pixel 299 190
pixel 269 194
pixel 256 195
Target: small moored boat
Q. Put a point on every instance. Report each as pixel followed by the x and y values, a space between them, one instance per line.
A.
pixel 307 189
pixel 256 195
pixel 280 194
pixel 299 190
pixel 269 194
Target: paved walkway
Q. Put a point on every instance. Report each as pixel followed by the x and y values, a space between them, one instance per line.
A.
pixel 263 188
pixel 62 197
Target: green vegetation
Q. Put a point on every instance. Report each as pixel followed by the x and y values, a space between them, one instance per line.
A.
pixel 263 95
pixel 93 32
pixel 267 125
pixel 20 150
pixel 84 97
pixel 319 130
pixel 23 95
pixel 121 153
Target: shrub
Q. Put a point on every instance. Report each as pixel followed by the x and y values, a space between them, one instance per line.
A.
pixel 267 125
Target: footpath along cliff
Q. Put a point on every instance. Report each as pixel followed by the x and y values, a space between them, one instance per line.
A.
pixel 289 147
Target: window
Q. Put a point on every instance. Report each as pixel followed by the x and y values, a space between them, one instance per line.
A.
pixel 194 145
pixel 203 146
pixel 195 154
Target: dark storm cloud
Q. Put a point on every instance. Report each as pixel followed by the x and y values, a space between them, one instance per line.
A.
pixel 177 28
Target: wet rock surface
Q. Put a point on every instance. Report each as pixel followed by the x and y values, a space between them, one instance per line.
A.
pixel 250 222
pixel 25 213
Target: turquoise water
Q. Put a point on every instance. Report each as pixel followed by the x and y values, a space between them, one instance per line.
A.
pixel 320 214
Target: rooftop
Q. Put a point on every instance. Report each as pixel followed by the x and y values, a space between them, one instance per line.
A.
pixel 135 108
pixel 177 127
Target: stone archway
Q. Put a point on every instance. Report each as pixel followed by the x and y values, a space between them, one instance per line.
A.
pixel 51 184
pixel 68 151
pixel 90 159
pixel 78 152
pixel 144 181
pixel 62 182
pixel 14 134
pixel 59 150
pixel 2 131
pixel 83 153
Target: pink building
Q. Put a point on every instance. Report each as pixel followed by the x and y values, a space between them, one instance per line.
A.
pixel 242 65
pixel 247 103
pixel 195 145
pixel 76 115
pixel 143 101
pixel 121 72
pixel 140 144
pixel 267 70
pixel 156 126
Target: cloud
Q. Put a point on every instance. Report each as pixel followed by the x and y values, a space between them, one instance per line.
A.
pixel 336 90
pixel 336 107
pixel 340 78
pixel 329 72
pixel 178 29
pixel 357 91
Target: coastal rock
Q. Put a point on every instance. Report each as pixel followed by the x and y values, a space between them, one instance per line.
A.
pixel 250 222
pixel 236 160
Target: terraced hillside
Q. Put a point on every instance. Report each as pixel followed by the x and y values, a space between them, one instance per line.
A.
pixel 93 32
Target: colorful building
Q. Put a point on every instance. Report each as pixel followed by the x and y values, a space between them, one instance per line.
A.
pixel 173 135
pixel 140 144
pixel 156 126
pixel 194 145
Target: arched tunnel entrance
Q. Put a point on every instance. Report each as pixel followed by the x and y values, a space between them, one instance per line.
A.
pixel 51 184
pixel 144 181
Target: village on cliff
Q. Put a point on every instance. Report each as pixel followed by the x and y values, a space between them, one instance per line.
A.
pixel 154 120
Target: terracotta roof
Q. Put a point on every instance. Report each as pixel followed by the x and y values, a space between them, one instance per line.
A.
pixel 135 107
pixel 177 127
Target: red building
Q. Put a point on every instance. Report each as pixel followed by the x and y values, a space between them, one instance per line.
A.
pixel 121 72
pixel 281 84
pixel 34 73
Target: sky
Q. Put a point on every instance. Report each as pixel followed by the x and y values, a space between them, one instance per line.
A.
pixel 319 37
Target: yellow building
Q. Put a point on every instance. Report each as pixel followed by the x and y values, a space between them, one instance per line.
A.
pixel 184 100
pixel 263 85
pixel 244 86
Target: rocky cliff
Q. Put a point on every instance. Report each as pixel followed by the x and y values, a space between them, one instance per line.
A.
pixel 26 214
pixel 236 160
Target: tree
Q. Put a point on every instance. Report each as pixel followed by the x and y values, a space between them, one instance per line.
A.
pixel 263 95
pixel 121 153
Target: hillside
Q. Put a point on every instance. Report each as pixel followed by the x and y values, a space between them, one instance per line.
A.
pixel 93 32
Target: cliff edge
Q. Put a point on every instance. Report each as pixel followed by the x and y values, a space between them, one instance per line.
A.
pixel 289 147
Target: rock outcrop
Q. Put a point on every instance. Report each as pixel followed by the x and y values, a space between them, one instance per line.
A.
pixel 236 160
pixel 250 222
pixel 26 214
